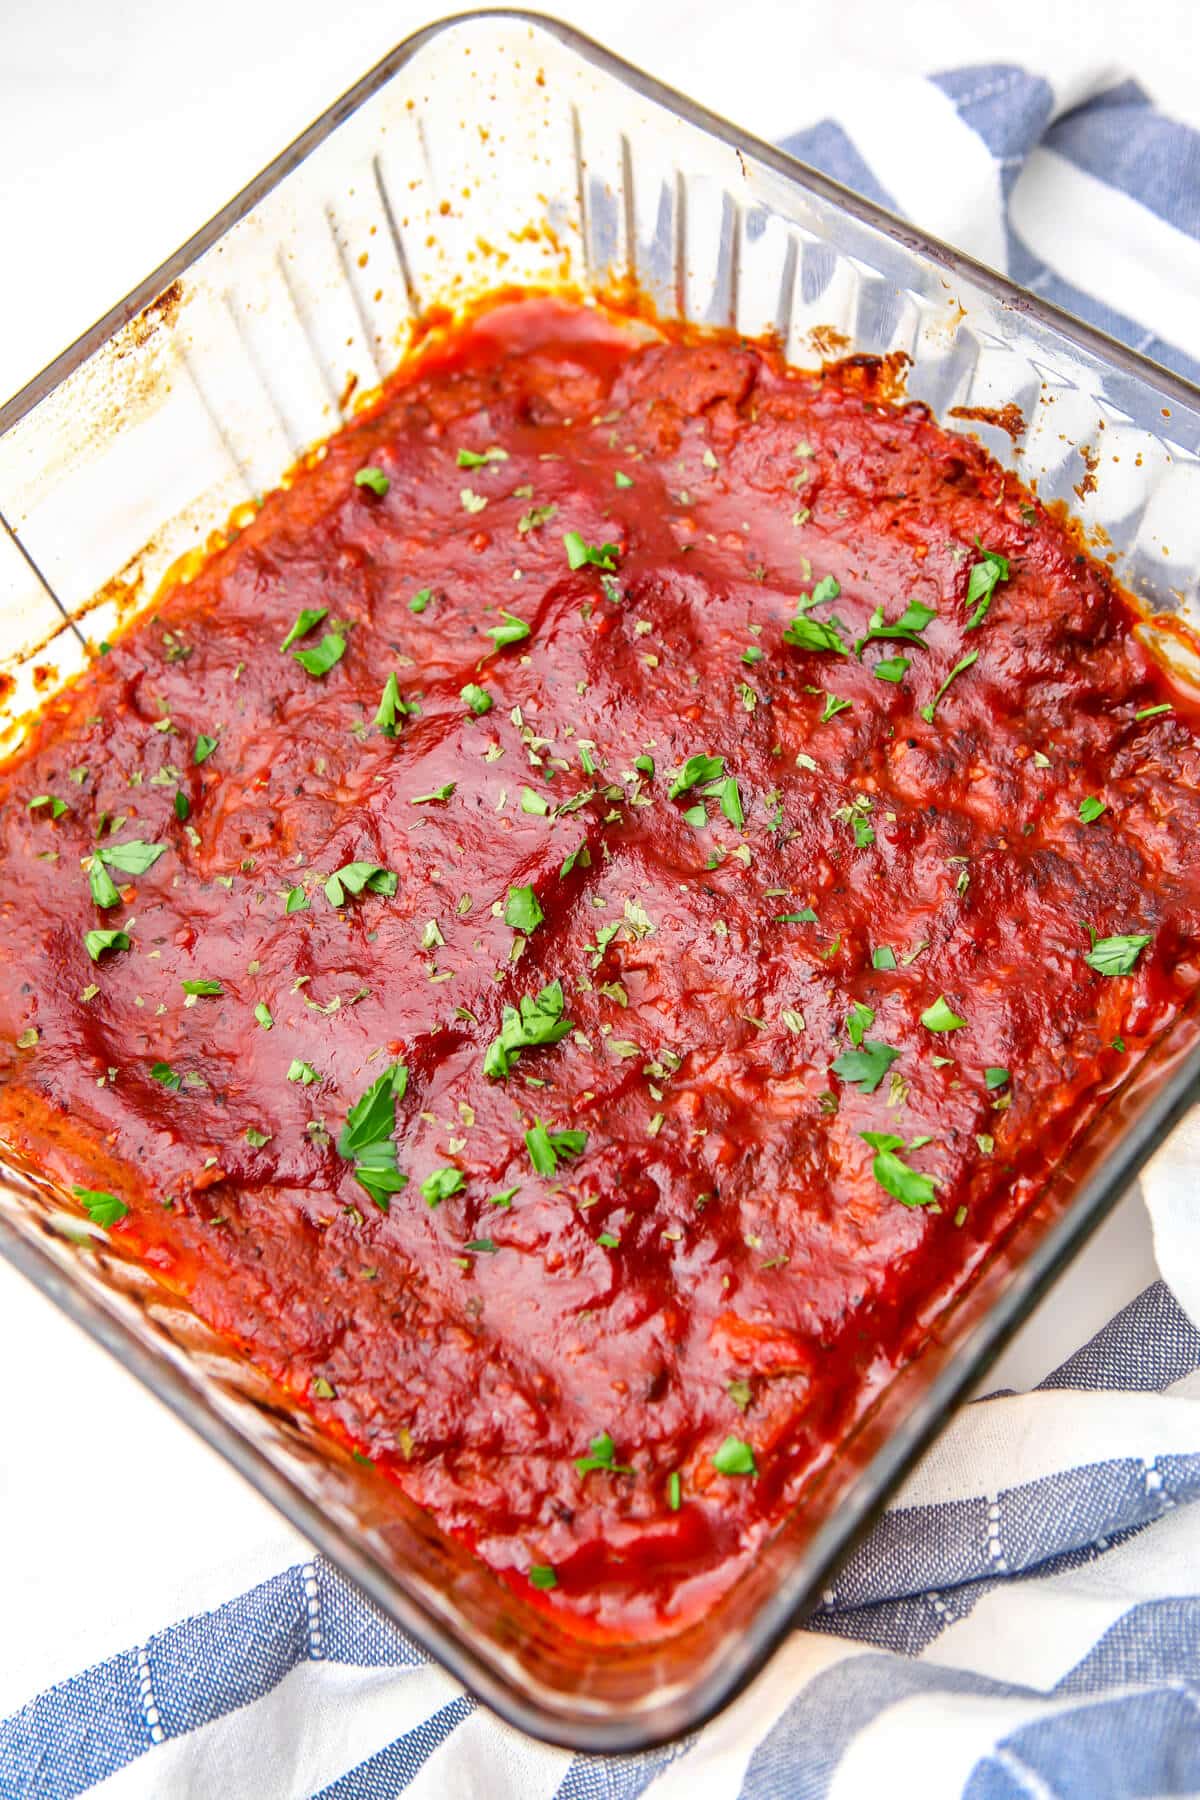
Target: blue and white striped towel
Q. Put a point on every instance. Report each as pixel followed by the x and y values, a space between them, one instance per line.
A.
pixel 1025 1621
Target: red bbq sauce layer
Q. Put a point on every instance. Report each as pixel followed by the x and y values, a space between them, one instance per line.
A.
pixel 728 764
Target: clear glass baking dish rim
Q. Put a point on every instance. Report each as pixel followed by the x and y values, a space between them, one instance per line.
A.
pixel 583 1729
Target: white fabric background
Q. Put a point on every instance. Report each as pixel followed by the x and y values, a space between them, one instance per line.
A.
pixel 121 129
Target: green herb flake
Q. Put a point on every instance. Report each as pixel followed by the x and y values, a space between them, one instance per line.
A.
pixel 511 630
pixel 893 1174
pixel 504 1197
pixel 535 518
pixel 696 769
pixel 814 634
pixel 435 795
pixel 960 667
pixel 522 911
pixel 995 1078
pixel 392 708
pixel 864 832
pixel 602 1454
pixel 734 1457
pixel 1116 955
pixel 326 654
pixel 366 1139
pixel 303 624
pixel 372 478
pixel 102 1208
pixel 303 1072
pixel 182 805
pixel 57 807
pixel 541 1575
pixel 1153 712
pixel 262 1013
pixel 442 1184
pixel 753 654
pixel 476 699
pixel 296 900
pixel 941 1016
pixel 97 942
pixel 981 584
pixel 479 459
pixel 579 553
pixel 866 1067
pixel 892 668
pixel 256 1138
pixel 621 480
pixel 805 916
pixel 536 1020
pixel 859 1020
pixel 832 707
pixel 204 747
pixel 1090 809
pixel 359 877
pixel 164 1074
pixel 201 988
pixel 883 957
pixel 674 1491
pixel 908 627
pixel 546 1147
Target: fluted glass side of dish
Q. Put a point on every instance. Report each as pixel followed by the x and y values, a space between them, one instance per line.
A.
pixel 505 150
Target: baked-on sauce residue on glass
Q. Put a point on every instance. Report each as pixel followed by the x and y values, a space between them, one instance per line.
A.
pixel 576 931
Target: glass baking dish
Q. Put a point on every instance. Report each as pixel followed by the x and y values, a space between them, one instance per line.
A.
pixel 506 149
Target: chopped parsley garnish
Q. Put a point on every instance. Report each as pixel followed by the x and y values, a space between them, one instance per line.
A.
pixel 372 478
pixel 963 664
pixel 477 699
pixel 579 553
pixel 805 916
pixel 814 634
pixel 996 1078
pixel 1116 955
pixel 522 910
pixel 674 1494
pixel 320 660
pixel 303 624
pixel 893 1174
pixel 202 988
pixel 57 807
pixel 535 518
pixel 262 1013
pixel 621 480
pixel 1152 712
pixel 695 769
pixel 164 1073
pixel 511 630
pixel 984 577
pixel 97 942
pixel 434 795
pixel 734 1457
pixel 602 1454
pixel 132 857
pixel 546 1147
pixel 608 1240
pixel 541 1575
pixel 303 1072
pixel 883 957
pixel 366 1139
pixel 482 1247
pixel 859 1020
pixel 392 708
pixel 832 707
pixel 479 459
pixel 864 831
pixel 533 802
pixel 182 805
pixel 442 1184
pixel 1090 809
pixel 296 900
pixel 828 588
pixel 102 1207
pixel 204 747
pixel 353 878
pixel 536 1020
pixel 867 1066
pixel 753 653
pixel 941 1016
pixel 504 1197
pixel 420 600
pixel 908 626
pixel 893 669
